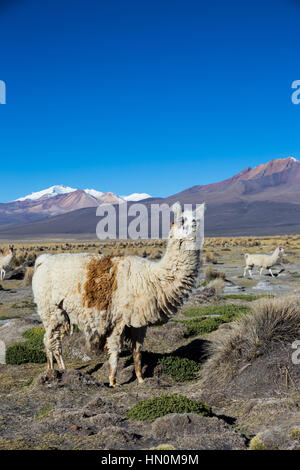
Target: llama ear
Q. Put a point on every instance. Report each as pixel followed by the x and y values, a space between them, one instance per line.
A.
pixel 176 208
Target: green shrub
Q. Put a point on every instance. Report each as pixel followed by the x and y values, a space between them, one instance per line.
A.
pixel 35 336
pixel 201 326
pixel 6 317
pixel 160 406
pixel 256 443
pixel 246 297
pixel 215 310
pixel 30 351
pixel 295 433
pixel 44 412
pixel 205 323
pixel 179 368
pixel 21 353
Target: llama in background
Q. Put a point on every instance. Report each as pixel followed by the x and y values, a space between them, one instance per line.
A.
pixel 262 261
pixel 5 261
pixel 112 298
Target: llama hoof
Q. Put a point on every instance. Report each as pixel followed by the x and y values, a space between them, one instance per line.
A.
pixel 114 385
pixel 141 381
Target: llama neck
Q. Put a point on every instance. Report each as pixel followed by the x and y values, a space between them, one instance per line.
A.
pixel 177 257
pixel 275 255
pixel 5 260
pixel 176 274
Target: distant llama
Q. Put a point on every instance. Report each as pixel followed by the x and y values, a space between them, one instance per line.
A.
pixel 5 261
pixel 262 261
pixel 115 298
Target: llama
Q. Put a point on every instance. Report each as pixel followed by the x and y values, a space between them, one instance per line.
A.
pixel 114 298
pixel 5 261
pixel 262 261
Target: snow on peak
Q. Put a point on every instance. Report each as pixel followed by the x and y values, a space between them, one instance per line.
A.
pixel 136 197
pixel 60 189
pixel 94 193
pixel 49 192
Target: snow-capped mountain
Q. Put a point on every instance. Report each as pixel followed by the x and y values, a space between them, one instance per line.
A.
pixel 137 197
pixel 57 200
pixel 49 192
pixel 108 198
pixel 94 193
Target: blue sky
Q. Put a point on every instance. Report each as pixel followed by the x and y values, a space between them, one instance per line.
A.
pixel 152 96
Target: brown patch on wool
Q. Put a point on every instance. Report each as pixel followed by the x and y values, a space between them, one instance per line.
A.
pixel 79 288
pixel 101 283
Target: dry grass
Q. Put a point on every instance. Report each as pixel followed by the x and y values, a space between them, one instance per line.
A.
pixel 28 277
pixel 273 321
pixel 214 248
pixel 211 274
pixel 217 284
pixel 26 253
pixel 210 257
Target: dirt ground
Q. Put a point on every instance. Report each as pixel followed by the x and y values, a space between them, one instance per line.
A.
pixel 76 409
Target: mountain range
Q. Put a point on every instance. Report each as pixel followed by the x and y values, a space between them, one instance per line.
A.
pixel 57 200
pixel 264 200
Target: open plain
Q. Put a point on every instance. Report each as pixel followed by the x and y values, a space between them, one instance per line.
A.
pixel 180 405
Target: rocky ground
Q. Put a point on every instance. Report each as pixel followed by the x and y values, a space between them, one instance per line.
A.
pixel 76 409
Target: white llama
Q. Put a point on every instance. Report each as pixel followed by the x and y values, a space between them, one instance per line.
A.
pixel 262 261
pixel 5 261
pixel 115 298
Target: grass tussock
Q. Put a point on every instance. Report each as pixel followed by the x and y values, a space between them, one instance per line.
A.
pixel 218 285
pixel 256 443
pixel 27 281
pixel 211 274
pixel 273 322
pixel 210 257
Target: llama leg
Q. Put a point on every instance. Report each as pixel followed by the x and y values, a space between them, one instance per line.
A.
pixel 59 359
pixel 245 271
pixel 261 270
pixel 271 272
pixel 52 341
pixel 137 362
pixel 138 336
pixel 49 355
pixel 114 349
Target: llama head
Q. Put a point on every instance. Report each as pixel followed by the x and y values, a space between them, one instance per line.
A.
pixel 188 224
pixel 11 248
pixel 280 250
